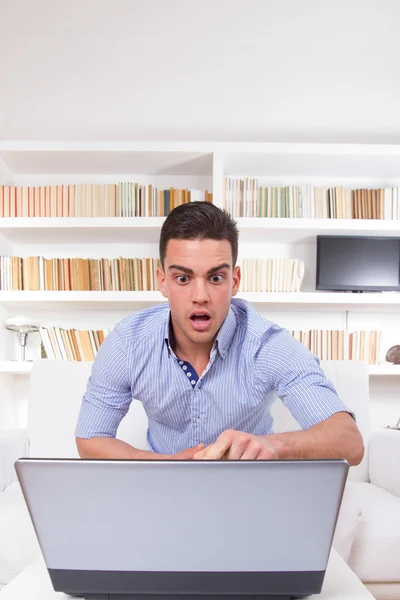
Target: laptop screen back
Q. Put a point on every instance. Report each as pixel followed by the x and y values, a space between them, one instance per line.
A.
pixel 184 516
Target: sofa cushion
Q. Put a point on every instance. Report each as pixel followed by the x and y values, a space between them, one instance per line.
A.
pixel 58 439
pixel 18 545
pixel 375 552
pixel 351 380
pixel 348 519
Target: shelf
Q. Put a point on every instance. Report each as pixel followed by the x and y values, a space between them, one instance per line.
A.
pixel 82 229
pixel 15 366
pixel 134 300
pixel 275 230
pixel 383 370
pixel 147 229
pixel 335 162
pixel 42 158
pixel 334 301
pixel 24 368
pixel 82 300
pixel 276 160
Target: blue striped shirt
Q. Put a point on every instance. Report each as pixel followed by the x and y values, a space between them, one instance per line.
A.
pixel 250 358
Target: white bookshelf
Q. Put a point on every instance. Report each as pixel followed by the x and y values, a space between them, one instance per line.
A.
pixel 384 370
pixel 336 301
pixel 294 231
pixel 147 229
pixel 200 165
pixel 16 367
pixel 307 301
pixel 81 230
pixel 62 299
pixel 24 368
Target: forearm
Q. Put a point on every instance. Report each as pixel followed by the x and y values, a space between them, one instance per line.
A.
pixel 107 447
pixel 336 437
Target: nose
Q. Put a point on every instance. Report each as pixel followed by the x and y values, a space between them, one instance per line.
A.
pixel 200 292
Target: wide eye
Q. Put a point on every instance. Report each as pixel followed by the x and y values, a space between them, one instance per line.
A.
pixel 216 278
pixel 182 279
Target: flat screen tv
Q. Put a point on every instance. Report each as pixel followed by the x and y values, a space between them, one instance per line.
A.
pixel 358 264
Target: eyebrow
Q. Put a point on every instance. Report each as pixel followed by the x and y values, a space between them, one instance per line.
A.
pixel 209 272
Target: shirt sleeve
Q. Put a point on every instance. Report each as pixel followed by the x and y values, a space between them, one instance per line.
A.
pixel 284 364
pixel 108 394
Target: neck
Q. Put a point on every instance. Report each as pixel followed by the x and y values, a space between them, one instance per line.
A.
pixel 188 350
pixel 198 353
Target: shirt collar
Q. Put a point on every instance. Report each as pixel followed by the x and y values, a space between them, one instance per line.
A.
pixel 226 333
pixel 224 336
pixel 167 328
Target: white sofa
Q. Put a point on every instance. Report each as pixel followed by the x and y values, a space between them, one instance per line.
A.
pixel 368 529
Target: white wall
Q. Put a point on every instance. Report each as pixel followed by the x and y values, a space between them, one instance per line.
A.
pixel 299 70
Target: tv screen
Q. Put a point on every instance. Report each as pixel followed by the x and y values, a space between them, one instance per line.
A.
pixel 358 263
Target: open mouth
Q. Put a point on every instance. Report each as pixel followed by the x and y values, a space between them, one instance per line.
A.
pixel 200 318
pixel 200 321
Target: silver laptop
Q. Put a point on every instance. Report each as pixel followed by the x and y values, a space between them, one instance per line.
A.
pixel 153 529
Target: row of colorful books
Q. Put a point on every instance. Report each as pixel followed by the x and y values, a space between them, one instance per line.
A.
pixel 81 345
pixel 71 344
pixel 342 345
pixel 242 198
pixel 125 199
pixel 246 198
pixel 38 273
pixel 271 274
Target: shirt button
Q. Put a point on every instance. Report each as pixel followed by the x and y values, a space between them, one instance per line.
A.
pixel 197 420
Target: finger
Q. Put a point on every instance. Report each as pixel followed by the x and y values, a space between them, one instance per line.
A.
pixel 193 451
pixel 189 453
pixel 252 452
pixel 240 441
pixel 235 452
pixel 197 448
pixel 268 453
pixel 223 445
pixel 217 450
pixel 199 455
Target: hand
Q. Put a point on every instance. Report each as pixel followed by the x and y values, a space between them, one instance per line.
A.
pixel 187 454
pixel 238 445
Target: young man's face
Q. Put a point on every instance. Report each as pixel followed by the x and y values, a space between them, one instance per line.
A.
pixel 199 280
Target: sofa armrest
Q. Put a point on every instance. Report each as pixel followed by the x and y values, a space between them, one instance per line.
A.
pixel 384 460
pixel 13 445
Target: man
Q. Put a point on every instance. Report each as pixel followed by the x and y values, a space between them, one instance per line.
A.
pixel 204 364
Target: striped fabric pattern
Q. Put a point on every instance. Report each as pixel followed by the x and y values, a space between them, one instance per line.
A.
pixel 250 358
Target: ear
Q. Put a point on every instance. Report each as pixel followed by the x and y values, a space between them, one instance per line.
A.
pixel 236 280
pixel 161 282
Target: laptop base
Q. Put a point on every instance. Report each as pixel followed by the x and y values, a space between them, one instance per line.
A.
pixel 186 597
pixel 163 585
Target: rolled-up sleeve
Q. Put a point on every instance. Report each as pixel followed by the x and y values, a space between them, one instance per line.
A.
pixel 287 366
pixel 108 394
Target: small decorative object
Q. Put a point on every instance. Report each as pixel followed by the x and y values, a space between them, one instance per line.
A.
pixel 393 355
pixel 23 326
pixel 42 351
pixel 396 427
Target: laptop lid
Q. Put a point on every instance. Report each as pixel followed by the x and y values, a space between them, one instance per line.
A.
pixel 128 528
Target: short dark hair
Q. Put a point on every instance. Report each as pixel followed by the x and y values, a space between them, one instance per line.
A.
pixel 199 221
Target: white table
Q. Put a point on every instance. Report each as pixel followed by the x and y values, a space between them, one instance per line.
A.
pixel 34 584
